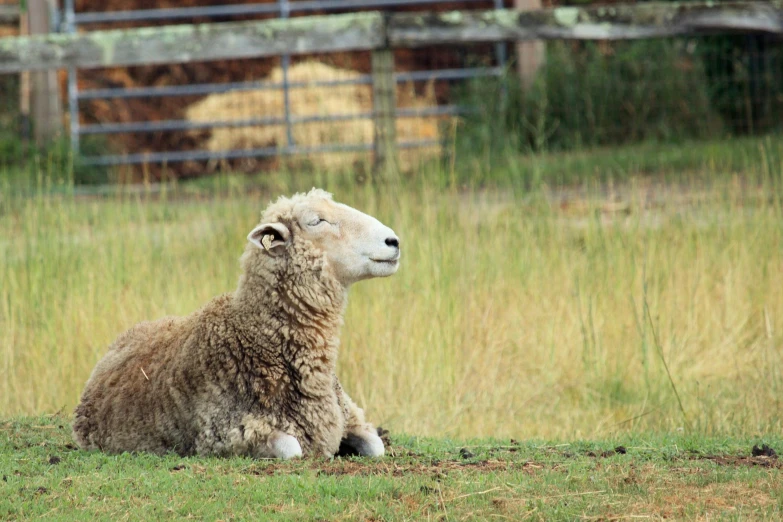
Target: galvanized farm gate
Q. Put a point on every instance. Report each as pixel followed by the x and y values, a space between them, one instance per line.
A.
pixel 72 21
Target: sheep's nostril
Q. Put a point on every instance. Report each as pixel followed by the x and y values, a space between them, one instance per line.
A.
pixel 393 242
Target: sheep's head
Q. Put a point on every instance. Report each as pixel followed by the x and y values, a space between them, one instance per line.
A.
pixel 353 245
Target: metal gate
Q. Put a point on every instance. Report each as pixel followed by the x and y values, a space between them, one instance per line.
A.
pixel 72 21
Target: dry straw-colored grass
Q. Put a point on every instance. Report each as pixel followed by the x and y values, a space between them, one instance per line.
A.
pixel 510 315
pixel 315 101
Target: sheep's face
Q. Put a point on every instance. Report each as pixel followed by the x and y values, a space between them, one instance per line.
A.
pixel 355 246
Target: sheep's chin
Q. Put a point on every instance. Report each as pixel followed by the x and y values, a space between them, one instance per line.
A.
pixel 383 268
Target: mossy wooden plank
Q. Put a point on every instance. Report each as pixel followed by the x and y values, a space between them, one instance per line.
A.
pixel 371 30
pixel 189 43
pixel 616 22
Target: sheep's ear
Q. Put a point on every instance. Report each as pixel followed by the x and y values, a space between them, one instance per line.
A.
pixel 269 236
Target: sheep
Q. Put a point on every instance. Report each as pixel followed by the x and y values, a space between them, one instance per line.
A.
pixel 252 372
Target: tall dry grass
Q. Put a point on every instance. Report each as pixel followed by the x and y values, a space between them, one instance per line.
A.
pixel 513 314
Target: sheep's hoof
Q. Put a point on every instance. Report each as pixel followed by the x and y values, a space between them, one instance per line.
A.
pixel 373 446
pixel 366 444
pixel 284 446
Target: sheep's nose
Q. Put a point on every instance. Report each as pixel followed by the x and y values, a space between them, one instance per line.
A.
pixel 393 242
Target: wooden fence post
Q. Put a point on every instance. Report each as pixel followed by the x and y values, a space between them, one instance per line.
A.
pixel 530 54
pixel 24 87
pixel 384 102
pixel 46 108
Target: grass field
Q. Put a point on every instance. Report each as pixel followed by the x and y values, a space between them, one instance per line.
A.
pixel 631 477
pixel 564 311
pixel 642 308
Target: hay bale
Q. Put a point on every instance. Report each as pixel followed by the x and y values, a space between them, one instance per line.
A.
pixel 312 101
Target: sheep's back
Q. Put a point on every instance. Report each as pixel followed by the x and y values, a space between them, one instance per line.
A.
pixel 138 396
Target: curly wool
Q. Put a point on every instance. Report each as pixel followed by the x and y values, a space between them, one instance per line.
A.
pixel 222 379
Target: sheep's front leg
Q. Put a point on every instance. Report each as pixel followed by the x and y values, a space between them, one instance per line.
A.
pixel 257 438
pixel 283 446
pixel 360 437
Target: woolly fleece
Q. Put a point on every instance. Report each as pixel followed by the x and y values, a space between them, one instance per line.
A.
pixel 252 368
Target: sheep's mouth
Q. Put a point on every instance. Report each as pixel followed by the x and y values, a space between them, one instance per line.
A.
pixel 390 261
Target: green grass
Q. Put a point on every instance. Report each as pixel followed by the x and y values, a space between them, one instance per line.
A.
pixel 625 297
pixel 560 311
pixel 691 160
pixel 677 477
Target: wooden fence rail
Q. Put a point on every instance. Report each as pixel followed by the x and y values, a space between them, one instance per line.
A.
pixel 373 30
pixel 617 22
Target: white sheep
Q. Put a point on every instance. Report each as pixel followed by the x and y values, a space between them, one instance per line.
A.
pixel 253 371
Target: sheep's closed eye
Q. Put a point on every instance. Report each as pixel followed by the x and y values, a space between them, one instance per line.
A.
pixel 316 221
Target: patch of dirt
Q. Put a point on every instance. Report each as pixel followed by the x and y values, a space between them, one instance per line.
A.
pixel 34 492
pixel 338 467
pixel 685 493
pixel 712 499
pixel 763 456
pixel 732 460
pixel 619 450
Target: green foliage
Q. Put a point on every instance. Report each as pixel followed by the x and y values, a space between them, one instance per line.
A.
pixel 591 94
pixel 745 79
pixel 504 167
pixel 20 156
pixel 52 159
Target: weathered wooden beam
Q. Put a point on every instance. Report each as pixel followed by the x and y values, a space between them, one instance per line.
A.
pixel 368 31
pixel 9 14
pixel 615 22
pixel 188 43
pixel 47 116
